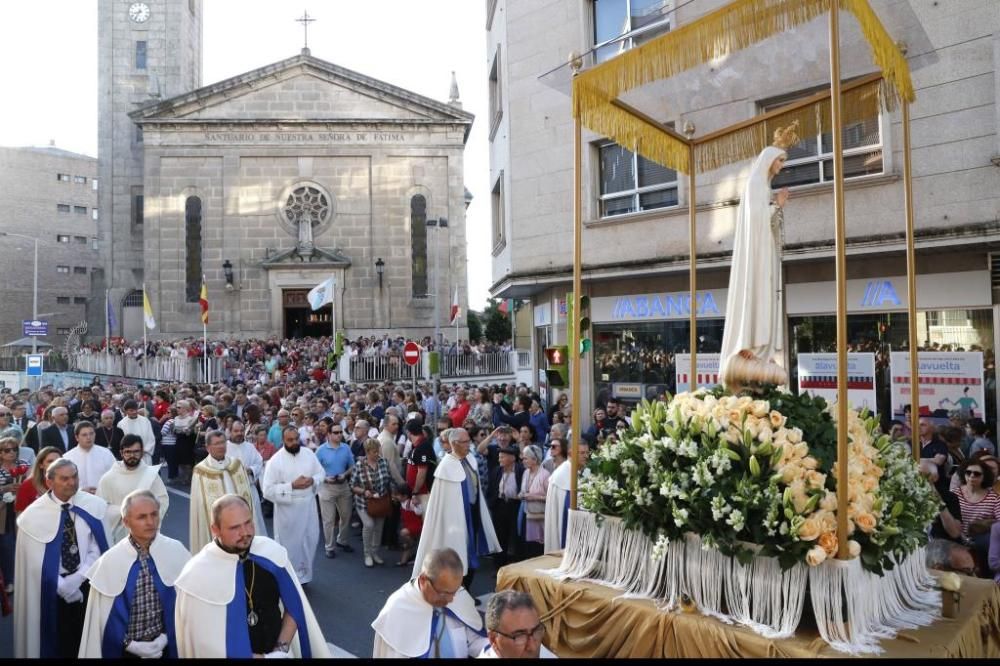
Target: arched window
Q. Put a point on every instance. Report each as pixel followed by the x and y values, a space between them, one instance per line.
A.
pixel 192 243
pixel 418 243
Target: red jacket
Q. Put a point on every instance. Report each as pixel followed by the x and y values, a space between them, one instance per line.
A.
pixel 459 413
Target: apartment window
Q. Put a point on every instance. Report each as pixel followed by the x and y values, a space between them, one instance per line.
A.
pixel 62 177
pixel 80 240
pixel 140 55
pixel 810 161
pixel 418 244
pixel 497 213
pixel 137 206
pixel 80 180
pixel 63 208
pixel 80 270
pixel 82 210
pixel 192 243
pixel 93 214
pixel 93 184
pixel 630 183
pixel 80 300
pixel 62 269
pixel 62 239
pixel 621 24
pixel 496 98
pixel 62 300
pixel 63 331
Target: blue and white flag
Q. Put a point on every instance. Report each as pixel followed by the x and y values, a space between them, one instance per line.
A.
pixel 112 323
pixel 321 294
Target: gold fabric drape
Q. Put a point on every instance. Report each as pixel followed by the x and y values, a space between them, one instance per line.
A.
pixel 585 620
pixel 736 26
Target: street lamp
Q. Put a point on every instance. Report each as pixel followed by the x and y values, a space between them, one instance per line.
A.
pixel 227 270
pixel 380 269
pixel 34 294
pixel 440 223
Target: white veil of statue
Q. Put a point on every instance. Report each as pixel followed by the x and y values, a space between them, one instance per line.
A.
pixel 753 340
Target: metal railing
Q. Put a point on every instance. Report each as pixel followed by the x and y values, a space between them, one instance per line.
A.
pixel 381 369
pixel 16 364
pixel 393 368
pixel 154 368
pixel 473 365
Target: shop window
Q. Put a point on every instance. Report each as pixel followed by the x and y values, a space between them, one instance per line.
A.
pixel 810 161
pixel 621 24
pixel 630 183
pixel 418 244
pixel 192 243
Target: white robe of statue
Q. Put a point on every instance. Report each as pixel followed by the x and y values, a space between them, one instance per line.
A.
pixel 108 577
pixel 119 481
pixel 754 303
pixel 296 517
pixel 555 502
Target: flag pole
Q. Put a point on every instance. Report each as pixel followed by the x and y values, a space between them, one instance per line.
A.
pixel 107 321
pixel 204 334
pixel 145 299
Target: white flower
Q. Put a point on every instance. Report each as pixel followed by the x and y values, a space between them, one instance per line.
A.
pixel 680 516
pixel 736 520
pixel 660 547
pixel 8 498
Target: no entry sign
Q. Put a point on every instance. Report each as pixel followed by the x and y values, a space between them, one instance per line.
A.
pixel 411 353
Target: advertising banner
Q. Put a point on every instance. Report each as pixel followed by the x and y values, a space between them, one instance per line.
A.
pixel 948 380
pixel 818 377
pixel 708 371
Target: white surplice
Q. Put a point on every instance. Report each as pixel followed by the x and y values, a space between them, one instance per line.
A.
pixel 92 463
pixel 119 481
pixel 296 519
pixel 211 480
pixel 140 426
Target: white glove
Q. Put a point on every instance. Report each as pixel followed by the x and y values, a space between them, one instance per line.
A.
pixel 8 498
pixel 147 649
pixel 69 587
pixel 278 654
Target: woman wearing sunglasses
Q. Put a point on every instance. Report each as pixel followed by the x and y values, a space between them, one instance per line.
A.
pixel 980 506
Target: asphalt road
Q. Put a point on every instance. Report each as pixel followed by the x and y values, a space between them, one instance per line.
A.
pixel 345 595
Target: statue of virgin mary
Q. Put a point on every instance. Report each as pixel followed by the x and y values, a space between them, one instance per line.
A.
pixel 753 336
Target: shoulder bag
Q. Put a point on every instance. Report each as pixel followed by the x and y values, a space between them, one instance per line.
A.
pixel 376 507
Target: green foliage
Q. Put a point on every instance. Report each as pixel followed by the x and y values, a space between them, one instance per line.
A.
pixel 497 324
pixel 475 326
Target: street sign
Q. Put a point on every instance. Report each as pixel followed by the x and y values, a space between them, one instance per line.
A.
pixel 34 328
pixel 411 353
pixel 34 365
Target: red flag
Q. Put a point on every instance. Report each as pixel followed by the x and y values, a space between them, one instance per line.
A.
pixel 455 310
pixel 504 306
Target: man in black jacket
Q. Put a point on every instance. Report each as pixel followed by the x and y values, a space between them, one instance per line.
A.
pixel 504 503
pixel 516 418
pixel 59 434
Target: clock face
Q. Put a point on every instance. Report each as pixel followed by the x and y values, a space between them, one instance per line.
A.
pixel 139 12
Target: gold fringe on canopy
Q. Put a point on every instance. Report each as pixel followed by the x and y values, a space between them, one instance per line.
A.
pixel 858 104
pixel 735 26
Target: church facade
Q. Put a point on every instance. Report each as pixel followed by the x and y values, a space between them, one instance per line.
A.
pixel 266 184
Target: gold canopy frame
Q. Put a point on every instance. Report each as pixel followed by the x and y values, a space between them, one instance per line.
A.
pixel 733 27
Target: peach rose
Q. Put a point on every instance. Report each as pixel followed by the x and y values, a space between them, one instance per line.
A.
pixel 810 529
pixel 759 408
pixel 777 419
pixel 829 501
pixel 853 548
pixel 815 556
pixel 865 522
pixel 828 542
pixel 869 483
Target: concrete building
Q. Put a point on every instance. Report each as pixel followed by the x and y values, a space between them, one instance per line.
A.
pixel 51 195
pixel 635 242
pixel 268 183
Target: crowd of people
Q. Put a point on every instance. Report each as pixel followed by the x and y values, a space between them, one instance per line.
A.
pixel 321 459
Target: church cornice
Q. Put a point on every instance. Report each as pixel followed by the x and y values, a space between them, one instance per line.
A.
pixel 175 108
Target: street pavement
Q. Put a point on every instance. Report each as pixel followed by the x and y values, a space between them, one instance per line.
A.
pixel 345 596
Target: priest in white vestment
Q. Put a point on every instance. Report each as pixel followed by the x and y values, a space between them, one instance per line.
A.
pixel 291 480
pixel 240 597
pixel 557 499
pixel 213 477
pixel 135 423
pixel 432 616
pixel 91 461
pixel 128 475
pixel 130 612
pixel 239 449
pixel 457 516
pixel 60 535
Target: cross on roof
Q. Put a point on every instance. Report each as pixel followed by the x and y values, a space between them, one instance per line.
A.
pixel 305 20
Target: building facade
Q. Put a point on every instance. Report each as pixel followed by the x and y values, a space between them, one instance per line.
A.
pixel 51 195
pixel 268 183
pixel 635 240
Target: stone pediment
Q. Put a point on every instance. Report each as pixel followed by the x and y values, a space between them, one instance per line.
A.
pixel 302 89
pixel 320 258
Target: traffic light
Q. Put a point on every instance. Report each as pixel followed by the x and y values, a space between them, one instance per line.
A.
pixel 583 333
pixel 557 372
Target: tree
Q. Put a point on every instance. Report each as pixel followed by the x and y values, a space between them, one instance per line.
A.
pixel 475 326
pixel 497 327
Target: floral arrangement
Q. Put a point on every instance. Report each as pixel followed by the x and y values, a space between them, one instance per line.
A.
pixel 755 475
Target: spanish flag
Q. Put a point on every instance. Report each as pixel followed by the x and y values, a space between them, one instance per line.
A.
pixel 203 301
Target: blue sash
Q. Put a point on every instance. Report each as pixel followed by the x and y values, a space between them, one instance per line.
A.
pixel 113 640
pixel 237 631
pixel 476 543
pixel 565 521
pixel 47 616
pixel 434 621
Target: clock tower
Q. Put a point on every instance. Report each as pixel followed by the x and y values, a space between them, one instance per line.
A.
pixel 148 50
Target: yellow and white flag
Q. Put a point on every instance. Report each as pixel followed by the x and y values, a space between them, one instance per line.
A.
pixel 147 312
